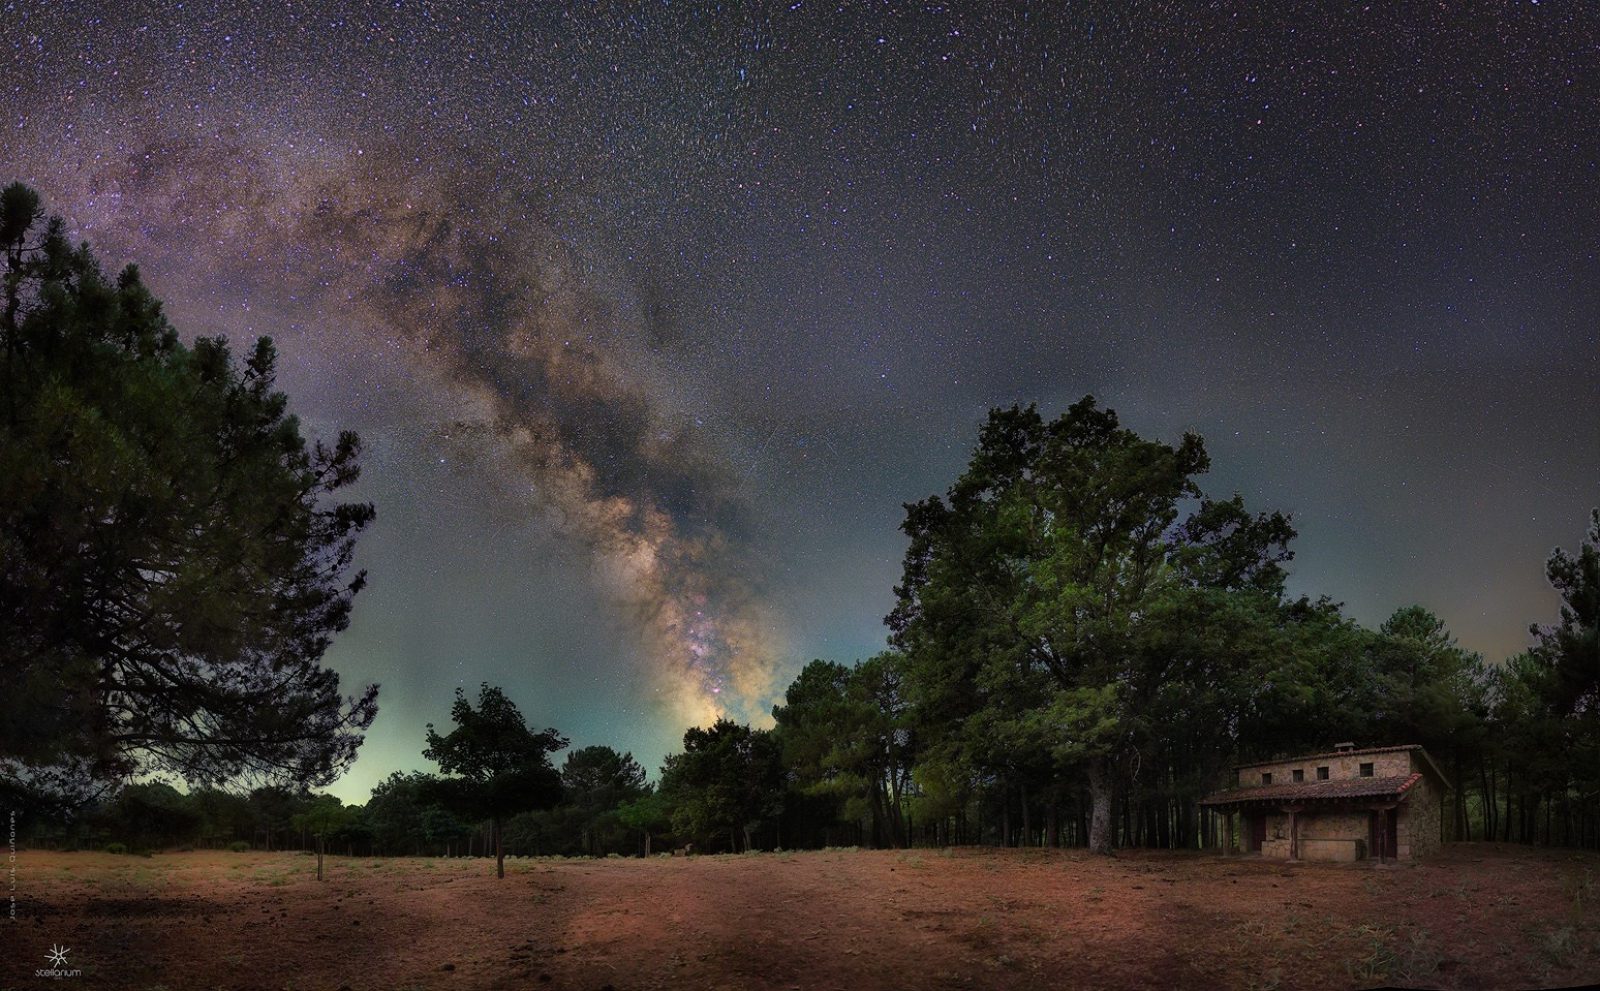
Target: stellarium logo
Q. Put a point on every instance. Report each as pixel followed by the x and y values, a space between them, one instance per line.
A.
pixel 58 964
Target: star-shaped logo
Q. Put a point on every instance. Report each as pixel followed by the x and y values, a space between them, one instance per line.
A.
pixel 57 955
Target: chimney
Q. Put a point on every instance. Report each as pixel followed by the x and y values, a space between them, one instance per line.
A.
pixel 1344 748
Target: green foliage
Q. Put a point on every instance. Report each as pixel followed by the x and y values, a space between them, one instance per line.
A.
pixel 500 767
pixel 1057 604
pixel 324 816
pixel 844 734
pixel 726 783
pixel 404 820
pixel 171 570
pixel 1541 709
pixel 222 815
pixel 147 815
pixel 238 846
pixel 649 813
pixel 595 782
pixel 117 848
pixel 1571 648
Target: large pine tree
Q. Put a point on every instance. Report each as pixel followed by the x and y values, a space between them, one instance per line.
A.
pixel 172 568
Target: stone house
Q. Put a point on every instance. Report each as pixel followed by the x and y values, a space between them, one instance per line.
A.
pixel 1383 803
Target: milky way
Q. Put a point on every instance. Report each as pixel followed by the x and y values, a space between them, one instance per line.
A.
pixel 653 315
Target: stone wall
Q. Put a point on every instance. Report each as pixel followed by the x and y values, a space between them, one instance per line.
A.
pixel 1334 825
pixel 1331 835
pixel 1384 765
pixel 1339 767
pixel 1417 828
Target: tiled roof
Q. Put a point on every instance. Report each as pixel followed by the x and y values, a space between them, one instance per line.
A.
pixel 1332 753
pixel 1341 788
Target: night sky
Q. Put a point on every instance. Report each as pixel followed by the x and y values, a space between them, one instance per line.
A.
pixel 652 316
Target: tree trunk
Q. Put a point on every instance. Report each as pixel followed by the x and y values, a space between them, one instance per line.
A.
pixel 647 843
pixel 1005 817
pixel 499 852
pixel 319 856
pixel 1487 809
pixel 1100 795
pixel 879 814
pixel 891 815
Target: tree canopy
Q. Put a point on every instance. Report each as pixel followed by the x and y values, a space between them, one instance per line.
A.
pixel 727 781
pixel 597 781
pixel 172 563
pixel 1065 586
pixel 499 766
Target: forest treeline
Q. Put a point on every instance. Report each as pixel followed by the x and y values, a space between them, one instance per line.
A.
pixel 853 760
pixel 1082 643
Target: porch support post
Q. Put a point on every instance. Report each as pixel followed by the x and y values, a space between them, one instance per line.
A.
pixel 1385 812
pixel 1294 831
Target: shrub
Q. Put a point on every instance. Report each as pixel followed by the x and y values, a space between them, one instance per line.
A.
pixel 239 846
pixel 117 848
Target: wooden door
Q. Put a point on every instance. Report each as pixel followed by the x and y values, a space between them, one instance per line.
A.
pixel 1382 834
pixel 1258 832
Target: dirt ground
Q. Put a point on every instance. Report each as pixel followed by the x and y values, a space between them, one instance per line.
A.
pixel 1478 917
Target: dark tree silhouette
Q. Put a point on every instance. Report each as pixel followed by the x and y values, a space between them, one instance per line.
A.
pixel 500 767
pixel 596 780
pixel 728 781
pixel 171 569
pixel 1572 646
pixel 843 735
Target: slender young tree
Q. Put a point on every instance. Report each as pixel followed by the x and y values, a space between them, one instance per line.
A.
pixel 498 766
pixel 650 814
pixel 324 816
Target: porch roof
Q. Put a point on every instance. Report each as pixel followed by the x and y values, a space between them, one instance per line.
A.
pixel 1338 790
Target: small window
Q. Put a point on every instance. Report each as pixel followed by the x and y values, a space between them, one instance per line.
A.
pixel 1322 774
pixel 1299 775
pixel 1366 770
pixel 1266 778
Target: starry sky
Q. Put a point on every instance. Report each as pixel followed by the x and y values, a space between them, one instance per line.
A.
pixel 652 315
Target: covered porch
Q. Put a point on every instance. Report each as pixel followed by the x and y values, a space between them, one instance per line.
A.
pixel 1337 821
pixel 1325 831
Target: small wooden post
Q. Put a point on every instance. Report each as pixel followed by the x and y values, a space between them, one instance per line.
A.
pixel 1294 832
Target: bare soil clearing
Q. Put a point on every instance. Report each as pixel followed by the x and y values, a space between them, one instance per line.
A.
pixel 1479 916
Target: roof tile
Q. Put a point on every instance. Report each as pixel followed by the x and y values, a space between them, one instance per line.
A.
pixel 1389 787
